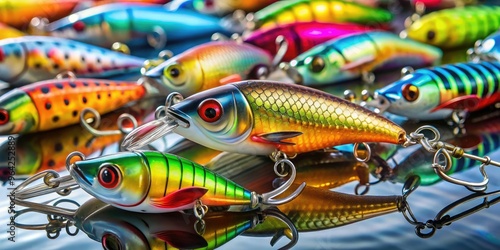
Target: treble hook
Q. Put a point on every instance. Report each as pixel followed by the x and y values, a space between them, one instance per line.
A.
pixel 269 198
pixel 97 120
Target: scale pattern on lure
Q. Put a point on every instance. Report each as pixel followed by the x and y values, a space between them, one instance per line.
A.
pixel 57 103
pixel 435 93
pixel 35 58
pixel 155 182
pixel 456 27
pixel 210 65
pixel 135 25
pixel 301 36
pixel 258 117
pixel 351 56
pixel 283 12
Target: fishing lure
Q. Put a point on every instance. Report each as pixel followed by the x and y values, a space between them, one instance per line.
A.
pixel 35 58
pixel 436 93
pixel 222 7
pixel 9 32
pixel 301 36
pixel 210 65
pixel 19 13
pixel 283 12
pixel 154 182
pixel 487 49
pixel 357 55
pixel 259 117
pixel 456 27
pixel 57 103
pixel 136 25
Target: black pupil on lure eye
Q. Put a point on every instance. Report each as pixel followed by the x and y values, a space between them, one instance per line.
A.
pixel 412 94
pixel 210 113
pixel 107 176
pixel 174 72
pixel 3 117
pixel 430 35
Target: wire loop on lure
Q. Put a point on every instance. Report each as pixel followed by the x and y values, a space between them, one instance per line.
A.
pixel 97 121
pixel 52 182
pixel 199 210
pixel 446 150
pixel 368 152
pixel 269 198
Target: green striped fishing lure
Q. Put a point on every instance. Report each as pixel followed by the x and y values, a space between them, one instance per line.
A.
pixel 154 182
pixel 435 93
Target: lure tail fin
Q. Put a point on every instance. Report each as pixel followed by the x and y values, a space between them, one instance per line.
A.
pixel 179 198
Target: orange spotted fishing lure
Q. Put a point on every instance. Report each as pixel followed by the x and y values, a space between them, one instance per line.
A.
pixel 57 103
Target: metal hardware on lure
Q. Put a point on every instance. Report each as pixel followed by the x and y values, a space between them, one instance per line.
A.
pixel 301 36
pixel 259 117
pixel 56 103
pixel 30 59
pixel 9 32
pixel 154 182
pixel 222 7
pixel 135 25
pixel 283 12
pixel 358 55
pixel 436 93
pixel 467 26
pixel 487 49
pixel 210 65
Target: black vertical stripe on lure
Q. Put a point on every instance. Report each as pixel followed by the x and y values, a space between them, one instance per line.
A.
pixel 493 70
pixel 215 184
pixel 167 173
pixel 477 71
pixel 458 80
pixel 182 170
pixel 443 78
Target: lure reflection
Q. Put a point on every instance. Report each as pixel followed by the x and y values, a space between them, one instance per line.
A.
pixel 135 25
pixel 356 55
pixel 35 58
pixel 153 182
pixel 259 117
pixel 435 93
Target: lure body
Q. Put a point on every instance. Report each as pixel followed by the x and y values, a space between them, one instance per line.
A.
pixel 18 13
pixel 258 117
pixel 57 103
pixel 301 36
pixel 9 32
pixel 489 50
pixel 210 65
pixel 222 7
pixel 136 25
pixel 451 28
pixel 283 12
pixel 33 58
pixel 154 182
pixel 350 56
pixel 434 93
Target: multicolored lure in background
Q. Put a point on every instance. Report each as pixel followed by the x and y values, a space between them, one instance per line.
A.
pixel 488 49
pixel 259 117
pixel 135 25
pixel 57 103
pixel 154 182
pixel 223 7
pixel 210 65
pixel 301 36
pixel 18 13
pixel 456 27
pixel 9 32
pixel 30 59
pixel 356 55
pixel 435 93
pixel 284 12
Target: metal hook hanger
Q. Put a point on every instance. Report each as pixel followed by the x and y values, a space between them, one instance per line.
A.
pixel 269 198
pixel 97 121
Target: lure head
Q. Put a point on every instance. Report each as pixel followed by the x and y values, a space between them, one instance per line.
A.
pixel 12 58
pixel 315 66
pixel 431 30
pixel 182 74
pixel 18 113
pixel 417 93
pixel 121 180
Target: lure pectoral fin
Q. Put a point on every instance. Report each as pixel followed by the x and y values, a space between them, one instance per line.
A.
pixel 460 103
pixel 179 198
pixel 277 137
pixel 181 239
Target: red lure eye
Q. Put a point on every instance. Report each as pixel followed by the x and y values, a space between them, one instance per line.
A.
pixel 109 176
pixel 79 26
pixel 210 110
pixel 4 116
pixel 110 242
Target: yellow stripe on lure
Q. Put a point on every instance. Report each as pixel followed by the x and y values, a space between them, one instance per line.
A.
pixel 259 117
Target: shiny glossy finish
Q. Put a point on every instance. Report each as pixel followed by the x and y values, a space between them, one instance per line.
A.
pixel 301 36
pixel 210 65
pixel 350 56
pixel 489 49
pixel 19 13
pixel 221 7
pixel 456 27
pixel 30 59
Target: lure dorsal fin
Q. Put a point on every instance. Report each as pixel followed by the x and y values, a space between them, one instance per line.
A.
pixel 361 61
pixel 230 79
pixel 179 198
pixel 276 137
pixel 461 103
pixel 181 239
